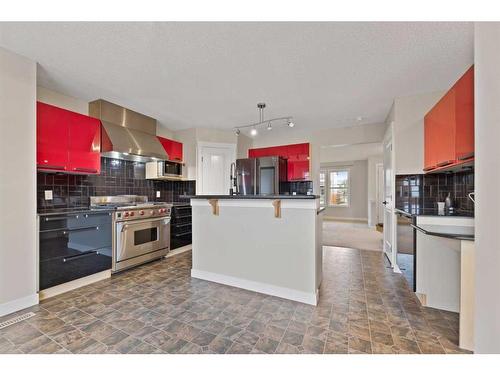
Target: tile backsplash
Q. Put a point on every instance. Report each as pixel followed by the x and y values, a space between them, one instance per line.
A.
pixel 117 177
pixel 425 190
pixel 297 187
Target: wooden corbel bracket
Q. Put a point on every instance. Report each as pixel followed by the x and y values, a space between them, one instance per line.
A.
pixel 277 208
pixel 215 206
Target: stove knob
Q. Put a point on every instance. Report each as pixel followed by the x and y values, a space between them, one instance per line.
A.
pixel 142 212
pixel 126 214
pixel 152 212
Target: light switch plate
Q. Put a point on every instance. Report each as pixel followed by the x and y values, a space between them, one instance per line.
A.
pixel 48 195
pixel 158 194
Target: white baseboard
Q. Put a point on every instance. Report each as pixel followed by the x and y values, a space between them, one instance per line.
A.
pixel 18 304
pixel 396 269
pixel 179 250
pixel 349 219
pixel 74 284
pixel 277 291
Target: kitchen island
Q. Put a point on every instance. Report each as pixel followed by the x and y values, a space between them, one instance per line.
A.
pixel 267 244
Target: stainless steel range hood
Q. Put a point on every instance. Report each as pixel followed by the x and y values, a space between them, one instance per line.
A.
pixel 127 134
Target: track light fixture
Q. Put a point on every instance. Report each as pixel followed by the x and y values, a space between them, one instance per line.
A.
pixel 262 122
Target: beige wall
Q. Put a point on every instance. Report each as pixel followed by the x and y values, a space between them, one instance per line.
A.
pixel 408 137
pixel 487 182
pixel 61 100
pixel 18 230
pixel 244 144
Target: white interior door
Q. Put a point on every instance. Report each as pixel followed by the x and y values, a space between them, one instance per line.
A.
pixel 380 194
pixel 388 209
pixel 214 164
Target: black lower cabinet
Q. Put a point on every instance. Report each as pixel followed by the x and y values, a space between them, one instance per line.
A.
pixel 180 227
pixel 72 246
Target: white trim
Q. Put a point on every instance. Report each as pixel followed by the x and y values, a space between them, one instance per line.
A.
pixel 340 218
pixel 179 250
pixel 273 290
pixel 18 304
pixel 74 284
pixel 260 203
pixel 199 171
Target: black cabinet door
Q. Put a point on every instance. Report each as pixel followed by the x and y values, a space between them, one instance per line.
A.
pixel 61 270
pixel 73 246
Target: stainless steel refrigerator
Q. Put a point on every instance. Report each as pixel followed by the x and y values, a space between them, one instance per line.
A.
pixel 260 176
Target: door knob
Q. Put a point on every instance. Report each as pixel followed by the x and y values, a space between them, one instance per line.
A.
pixel 384 203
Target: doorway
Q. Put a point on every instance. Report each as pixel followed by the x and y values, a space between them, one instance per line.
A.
pixel 213 167
pixel 379 217
pixel 387 202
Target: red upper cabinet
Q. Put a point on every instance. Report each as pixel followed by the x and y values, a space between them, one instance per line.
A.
pixel 172 148
pixel 52 138
pixel 297 156
pixel 67 141
pixel 449 127
pixel 84 144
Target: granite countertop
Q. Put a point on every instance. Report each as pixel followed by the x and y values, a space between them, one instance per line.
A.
pixel 457 232
pixel 251 196
pixel 417 211
pixel 71 210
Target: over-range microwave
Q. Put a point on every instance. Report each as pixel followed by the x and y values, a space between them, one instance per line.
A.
pixel 164 170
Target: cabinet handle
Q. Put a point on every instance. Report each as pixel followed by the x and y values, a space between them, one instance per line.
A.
pixel 60 218
pixel 78 256
pixel 443 163
pixel 466 156
pixel 51 166
pixel 85 170
pixel 66 231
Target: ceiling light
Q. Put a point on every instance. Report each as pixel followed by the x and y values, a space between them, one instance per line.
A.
pixel 253 132
pixel 238 131
pixel 291 124
pixel 269 126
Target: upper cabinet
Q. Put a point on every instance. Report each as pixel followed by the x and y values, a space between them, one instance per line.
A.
pixel 67 141
pixel 172 148
pixel 449 128
pixel 297 155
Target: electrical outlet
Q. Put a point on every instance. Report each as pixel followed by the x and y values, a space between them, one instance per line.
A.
pixel 48 195
pixel 158 194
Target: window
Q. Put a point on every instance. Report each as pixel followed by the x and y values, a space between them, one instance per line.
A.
pixel 334 185
pixel 322 188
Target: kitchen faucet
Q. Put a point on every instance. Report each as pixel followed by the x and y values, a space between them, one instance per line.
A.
pixel 234 180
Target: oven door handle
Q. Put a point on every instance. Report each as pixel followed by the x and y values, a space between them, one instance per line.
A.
pixel 163 220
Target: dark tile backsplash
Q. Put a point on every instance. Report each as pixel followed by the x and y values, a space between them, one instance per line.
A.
pixel 425 190
pixel 117 177
pixel 298 187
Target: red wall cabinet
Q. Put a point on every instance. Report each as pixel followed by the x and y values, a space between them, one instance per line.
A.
pixel 67 141
pixel 297 156
pixel 449 127
pixel 172 148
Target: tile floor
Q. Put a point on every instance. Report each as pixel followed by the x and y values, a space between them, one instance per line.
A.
pixel 158 308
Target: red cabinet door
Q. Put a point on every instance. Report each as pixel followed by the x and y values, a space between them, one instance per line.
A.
pixel 444 130
pixel 52 138
pixel 84 144
pixel 172 148
pixel 297 156
pixel 430 159
pixel 464 116
pixel 176 151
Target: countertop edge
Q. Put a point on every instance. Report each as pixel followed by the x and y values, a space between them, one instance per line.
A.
pixel 242 197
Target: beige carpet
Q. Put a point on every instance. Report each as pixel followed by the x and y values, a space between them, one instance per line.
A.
pixel 351 234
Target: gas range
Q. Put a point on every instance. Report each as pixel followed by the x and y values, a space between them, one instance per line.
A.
pixel 141 229
pixel 143 211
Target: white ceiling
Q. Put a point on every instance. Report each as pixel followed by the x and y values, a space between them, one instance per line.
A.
pixel 213 74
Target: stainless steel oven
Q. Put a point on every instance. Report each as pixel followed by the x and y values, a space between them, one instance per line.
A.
pixel 140 235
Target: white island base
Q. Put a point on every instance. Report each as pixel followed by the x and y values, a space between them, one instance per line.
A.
pixel 270 246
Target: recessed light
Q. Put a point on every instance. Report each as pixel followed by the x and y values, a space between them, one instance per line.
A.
pixel 291 124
